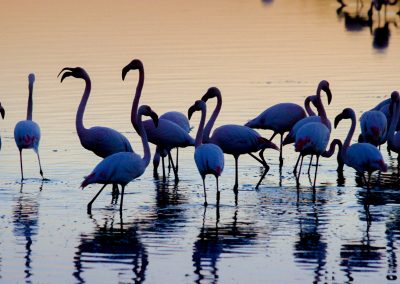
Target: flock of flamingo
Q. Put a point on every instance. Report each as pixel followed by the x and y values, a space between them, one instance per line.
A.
pixel 309 131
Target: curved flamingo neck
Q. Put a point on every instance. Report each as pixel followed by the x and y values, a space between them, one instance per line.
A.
pixel 82 105
pixel 211 121
pixel 347 141
pixel 145 142
pixel 135 103
pixel 331 151
pixel 321 109
pixel 393 124
pixel 307 106
pixel 30 102
pixel 199 135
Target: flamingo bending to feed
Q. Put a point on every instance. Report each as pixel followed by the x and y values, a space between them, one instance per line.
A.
pixel 2 112
pixel 102 141
pixel 27 132
pixel 167 135
pixel 121 168
pixel 235 139
pixel 280 118
pixel 209 158
pixel 363 157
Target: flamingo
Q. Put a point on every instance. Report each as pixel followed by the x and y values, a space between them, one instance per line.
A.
pixel 27 132
pixel 373 127
pixel 167 135
pixel 235 139
pixel 181 120
pixel 2 112
pixel 123 167
pixel 363 157
pixel 102 141
pixel 393 137
pixel 280 118
pixel 209 158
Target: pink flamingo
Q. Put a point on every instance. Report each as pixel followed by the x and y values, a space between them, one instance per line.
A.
pixel 27 132
pixel 121 168
pixel 102 141
pixel 280 118
pixel 209 158
pixel 2 112
pixel 235 139
pixel 167 135
pixel 373 127
pixel 393 137
pixel 363 157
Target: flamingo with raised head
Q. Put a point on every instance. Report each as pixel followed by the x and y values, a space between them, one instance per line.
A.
pixel 363 157
pixel 167 135
pixel 102 141
pixel 27 132
pixel 280 118
pixel 2 112
pixel 123 167
pixel 235 139
pixel 209 157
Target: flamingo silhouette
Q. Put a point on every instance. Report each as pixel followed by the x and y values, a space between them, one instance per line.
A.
pixel 121 168
pixel 167 135
pixel 235 139
pixel 102 141
pixel 2 112
pixel 27 132
pixel 393 137
pixel 363 157
pixel 209 158
pixel 373 127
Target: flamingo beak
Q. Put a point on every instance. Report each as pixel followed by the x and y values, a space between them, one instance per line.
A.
pixel 154 117
pixel 133 65
pixel 125 71
pixel 2 111
pixel 66 74
pixel 272 145
pixel 338 118
pixel 191 110
pixel 329 94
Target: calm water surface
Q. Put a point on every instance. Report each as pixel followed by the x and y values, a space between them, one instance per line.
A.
pixel 258 53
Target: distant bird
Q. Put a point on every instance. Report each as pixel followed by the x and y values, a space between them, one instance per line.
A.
pixel 102 141
pixel 2 112
pixel 280 118
pixel 209 158
pixel 393 137
pixel 167 135
pixel 373 127
pixel 121 168
pixel 363 157
pixel 235 139
pixel 181 120
pixel 27 132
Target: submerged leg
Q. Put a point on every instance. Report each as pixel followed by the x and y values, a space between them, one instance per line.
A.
pixel 122 199
pixel 295 166
pixel 163 169
pixel 115 190
pixel 89 206
pixel 265 166
pixel 20 162
pixel 235 187
pixel 309 165
pixel 173 166
pixel 218 193
pixel 205 194
pixel 40 165
pixel 315 175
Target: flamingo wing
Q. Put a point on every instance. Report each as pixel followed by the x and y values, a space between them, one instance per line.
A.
pixel 209 159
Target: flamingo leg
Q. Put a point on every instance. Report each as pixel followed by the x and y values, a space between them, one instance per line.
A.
pixel 280 152
pixel 218 193
pixel 169 163
pixel 89 206
pixel 235 187
pixel 177 156
pixel 265 166
pixel 309 165
pixel 257 159
pixel 273 136
pixel 369 179
pixel 40 165
pixel 115 190
pixel 298 176
pixel 315 175
pixel 20 161
pixel 122 199
pixel 163 168
pixel 205 193
pixel 173 166
pixel 295 166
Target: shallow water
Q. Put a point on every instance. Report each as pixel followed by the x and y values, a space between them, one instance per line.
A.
pixel 258 53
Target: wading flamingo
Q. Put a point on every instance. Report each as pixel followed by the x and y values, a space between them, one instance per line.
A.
pixel 280 118
pixel 235 139
pixel 121 168
pixel 363 157
pixel 102 141
pixel 27 132
pixel 373 127
pixel 2 112
pixel 209 158
pixel 167 135
pixel 393 137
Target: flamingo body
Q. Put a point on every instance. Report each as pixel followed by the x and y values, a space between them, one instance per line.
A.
pixel 177 117
pixel 291 136
pixel 373 127
pixel 364 157
pixel 209 159
pixel 27 135
pixel 312 139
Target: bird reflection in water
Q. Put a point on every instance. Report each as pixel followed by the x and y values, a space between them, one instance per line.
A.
pixel 310 249
pixel 26 219
pixel 113 244
pixel 215 240
pixel 362 256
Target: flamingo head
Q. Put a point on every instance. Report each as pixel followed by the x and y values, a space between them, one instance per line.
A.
pixel 211 93
pixel 265 143
pixel 324 86
pixel 346 114
pixel 198 105
pixel 77 72
pixel 31 78
pixel 135 64
pixel 394 99
pixel 147 111
pixel 2 111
